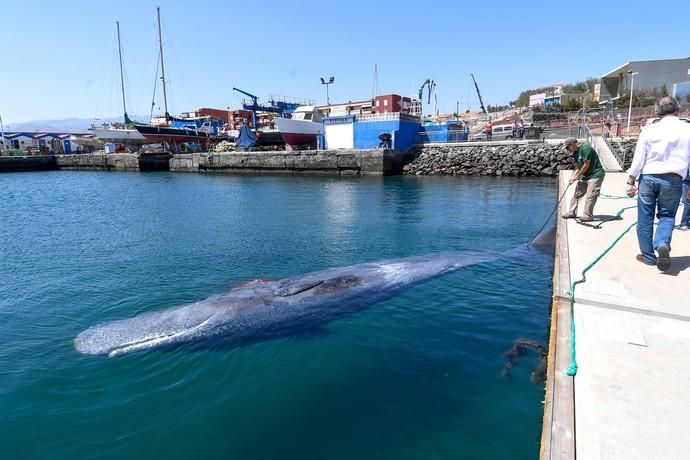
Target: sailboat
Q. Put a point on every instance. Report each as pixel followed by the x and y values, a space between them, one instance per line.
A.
pixel 127 135
pixel 170 134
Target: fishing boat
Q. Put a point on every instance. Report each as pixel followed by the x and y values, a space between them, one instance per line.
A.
pixel 301 129
pixel 125 134
pixel 167 133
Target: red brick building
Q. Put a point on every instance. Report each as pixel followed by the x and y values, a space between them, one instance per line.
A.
pixel 391 103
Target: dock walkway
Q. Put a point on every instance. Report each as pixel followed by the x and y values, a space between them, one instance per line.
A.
pixel 608 160
pixel 630 398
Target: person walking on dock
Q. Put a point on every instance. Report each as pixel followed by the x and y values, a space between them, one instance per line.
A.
pixel 661 161
pixel 488 129
pixel 589 175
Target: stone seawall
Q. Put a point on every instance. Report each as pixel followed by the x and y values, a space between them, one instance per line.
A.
pixel 527 159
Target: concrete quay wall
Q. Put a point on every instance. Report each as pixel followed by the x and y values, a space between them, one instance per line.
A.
pixel 27 163
pixel 335 162
pixel 330 162
pixel 185 162
pixel 102 162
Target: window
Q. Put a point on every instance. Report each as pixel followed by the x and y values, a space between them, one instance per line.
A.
pixel 385 102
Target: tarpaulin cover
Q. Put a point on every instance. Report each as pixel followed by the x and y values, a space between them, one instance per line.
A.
pixel 247 138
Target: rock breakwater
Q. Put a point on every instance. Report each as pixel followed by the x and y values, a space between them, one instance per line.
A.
pixel 488 160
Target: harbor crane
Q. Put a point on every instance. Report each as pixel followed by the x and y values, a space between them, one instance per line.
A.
pixel 431 88
pixel 279 107
pixel 254 106
pixel 481 103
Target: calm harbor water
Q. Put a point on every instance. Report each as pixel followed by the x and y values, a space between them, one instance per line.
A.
pixel 416 376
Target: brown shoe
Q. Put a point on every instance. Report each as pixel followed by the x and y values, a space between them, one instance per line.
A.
pixel 568 216
pixel 644 260
pixel 663 261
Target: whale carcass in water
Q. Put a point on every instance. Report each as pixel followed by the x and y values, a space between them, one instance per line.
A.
pixel 282 307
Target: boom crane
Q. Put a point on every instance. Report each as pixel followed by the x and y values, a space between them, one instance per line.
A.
pixel 481 103
pixel 431 87
pixel 279 107
pixel 254 105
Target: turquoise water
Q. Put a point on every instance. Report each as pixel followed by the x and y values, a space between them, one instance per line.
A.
pixel 416 376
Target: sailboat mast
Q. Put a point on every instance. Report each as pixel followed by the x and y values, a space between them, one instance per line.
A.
pixel 2 132
pixel 160 42
pixel 122 78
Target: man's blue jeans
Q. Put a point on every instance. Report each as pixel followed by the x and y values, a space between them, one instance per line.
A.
pixel 660 193
pixel 685 218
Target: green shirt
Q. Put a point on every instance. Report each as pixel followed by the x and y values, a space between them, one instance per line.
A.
pixel 587 152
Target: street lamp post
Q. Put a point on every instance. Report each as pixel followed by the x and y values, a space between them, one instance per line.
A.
pixel 632 82
pixel 327 82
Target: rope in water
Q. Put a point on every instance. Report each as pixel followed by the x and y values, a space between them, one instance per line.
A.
pixel 572 369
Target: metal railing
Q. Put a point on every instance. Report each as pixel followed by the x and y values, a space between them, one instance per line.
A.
pixel 441 137
pixel 619 152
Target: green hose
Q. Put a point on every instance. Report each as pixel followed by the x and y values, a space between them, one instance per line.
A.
pixel 572 369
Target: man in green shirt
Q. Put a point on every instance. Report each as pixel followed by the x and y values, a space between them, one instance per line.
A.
pixel 589 175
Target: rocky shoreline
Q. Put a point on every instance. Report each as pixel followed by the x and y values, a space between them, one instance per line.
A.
pixel 625 148
pixel 489 160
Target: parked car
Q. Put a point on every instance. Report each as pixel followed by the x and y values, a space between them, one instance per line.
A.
pixel 499 132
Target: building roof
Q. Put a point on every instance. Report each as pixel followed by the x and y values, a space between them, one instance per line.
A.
pixel 620 69
pixel 626 67
pixel 34 135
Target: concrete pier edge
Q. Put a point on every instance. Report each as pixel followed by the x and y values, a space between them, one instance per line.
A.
pixel 558 425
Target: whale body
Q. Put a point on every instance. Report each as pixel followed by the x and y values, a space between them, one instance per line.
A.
pixel 268 309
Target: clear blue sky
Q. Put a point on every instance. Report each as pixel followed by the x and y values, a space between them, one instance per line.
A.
pixel 60 58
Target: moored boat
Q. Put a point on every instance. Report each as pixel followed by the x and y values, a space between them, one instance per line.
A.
pixel 128 136
pixel 301 129
pixel 169 134
pixel 123 134
pixel 165 132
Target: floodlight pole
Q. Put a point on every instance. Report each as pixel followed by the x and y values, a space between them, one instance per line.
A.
pixel 632 82
pixel 327 82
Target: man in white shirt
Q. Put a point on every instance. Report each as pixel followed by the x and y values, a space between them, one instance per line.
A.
pixel 661 161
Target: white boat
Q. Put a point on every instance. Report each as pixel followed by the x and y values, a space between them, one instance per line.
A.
pixel 301 129
pixel 118 135
pixel 87 140
pixel 124 135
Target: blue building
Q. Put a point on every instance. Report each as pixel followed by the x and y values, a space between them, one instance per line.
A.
pixel 40 142
pixel 363 131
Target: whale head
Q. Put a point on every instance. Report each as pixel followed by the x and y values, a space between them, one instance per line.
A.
pixel 147 330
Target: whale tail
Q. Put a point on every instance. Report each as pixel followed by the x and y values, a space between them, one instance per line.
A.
pixel 544 244
pixel 545 241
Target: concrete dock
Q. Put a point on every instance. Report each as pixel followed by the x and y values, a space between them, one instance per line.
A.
pixel 630 398
pixel 378 162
